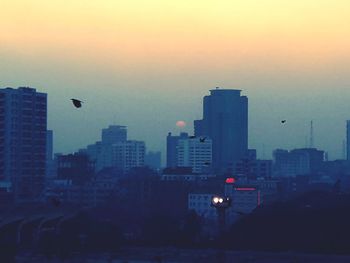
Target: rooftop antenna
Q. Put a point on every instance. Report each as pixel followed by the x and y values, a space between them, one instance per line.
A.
pixel 311 135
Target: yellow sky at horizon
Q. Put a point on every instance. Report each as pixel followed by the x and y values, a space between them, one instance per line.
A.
pixel 303 32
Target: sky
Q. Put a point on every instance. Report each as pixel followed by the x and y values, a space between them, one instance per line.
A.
pixel 148 64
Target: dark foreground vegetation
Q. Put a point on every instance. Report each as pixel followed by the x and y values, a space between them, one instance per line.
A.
pixel 316 222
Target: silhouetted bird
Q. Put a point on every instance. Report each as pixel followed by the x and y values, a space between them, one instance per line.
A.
pixel 202 139
pixel 77 103
pixel 207 163
pixel 283 121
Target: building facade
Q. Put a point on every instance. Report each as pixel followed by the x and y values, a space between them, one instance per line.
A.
pixel 195 152
pixel 225 121
pixel 23 131
pixel 129 154
pixel 171 148
pixel 297 162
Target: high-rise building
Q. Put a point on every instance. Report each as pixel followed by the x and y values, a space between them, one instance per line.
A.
pixel 129 154
pixel 101 151
pixel 195 153
pixel 23 122
pixel 225 121
pixel 114 134
pixel 75 167
pixel 171 148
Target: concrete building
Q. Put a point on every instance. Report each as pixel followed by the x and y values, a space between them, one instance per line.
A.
pixel 101 151
pixel 194 152
pixel 129 154
pixel 77 168
pixel 201 204
pixel 225 121
pixel 23 126
pixel 303 161
pixel 252 169
pixel 171 149
pixel 244 200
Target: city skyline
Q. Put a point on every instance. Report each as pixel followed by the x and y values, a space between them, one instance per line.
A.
pixel 164 57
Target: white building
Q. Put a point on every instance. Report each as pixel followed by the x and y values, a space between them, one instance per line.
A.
pixel 129 154
pixel 195 153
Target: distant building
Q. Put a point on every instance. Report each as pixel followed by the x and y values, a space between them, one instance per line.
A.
pixel 201 204
pixel 92 193
pixel 129 154
pixel 101 151
pixel 171 156
pixel 225 121
pixel 23 135
pixel 114 134
pixel 195 152
pixel 253 169
pixel 153 160
pixel 245 198
pixel 77 168
pixel 297 162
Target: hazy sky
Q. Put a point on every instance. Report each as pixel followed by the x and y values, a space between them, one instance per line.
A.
pixel 147 64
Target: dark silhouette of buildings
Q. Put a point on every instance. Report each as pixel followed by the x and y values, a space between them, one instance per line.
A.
pixel 153 160
pixel 297 162
pixel 114 150
pixel 23 122
pixel 78 168
pixel 225 121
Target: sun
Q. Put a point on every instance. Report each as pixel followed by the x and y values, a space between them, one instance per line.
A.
pixel 181 124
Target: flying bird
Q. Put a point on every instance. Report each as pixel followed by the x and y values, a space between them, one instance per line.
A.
pixel 283 121
pixel 77 103
pixel 202 139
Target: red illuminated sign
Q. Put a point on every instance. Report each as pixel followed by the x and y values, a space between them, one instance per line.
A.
pixel 230 180
pixel 245 189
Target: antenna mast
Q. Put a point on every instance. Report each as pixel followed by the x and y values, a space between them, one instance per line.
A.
pixel 311 135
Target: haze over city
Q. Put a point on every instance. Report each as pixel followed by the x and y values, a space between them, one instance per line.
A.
pixel 148 64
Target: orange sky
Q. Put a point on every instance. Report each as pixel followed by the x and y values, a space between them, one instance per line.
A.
pixel 303 32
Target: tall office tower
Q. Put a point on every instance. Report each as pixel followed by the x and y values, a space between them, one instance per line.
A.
pixel 195 153
pixel 23 121
pixel 348 140
pixel 171 148
pixel 225 121
pixel 129 154
pixel 114 134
